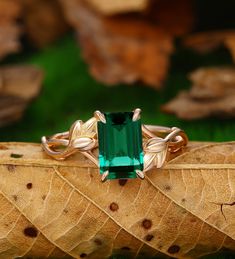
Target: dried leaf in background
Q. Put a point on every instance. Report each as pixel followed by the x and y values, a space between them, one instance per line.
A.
pixel 18 86
pixel 212 94
pixel 175 17
pixel 230 43
pixel 43 21
pixel 131 47
pixel 10 11
pixel 54 209
pixel 119 6
pixel 204 42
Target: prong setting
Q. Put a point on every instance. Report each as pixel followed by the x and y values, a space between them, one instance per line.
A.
pixel 99 116
pixel 136 115
pixel 104 176
pixel 140 174
pixel 146 146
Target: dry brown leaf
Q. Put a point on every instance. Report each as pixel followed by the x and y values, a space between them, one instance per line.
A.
pixel 43 21
pixel 204 42
pixel 9 40
pixel 175 17
pixel 108 7
pixel 18 86
pixel 10 31
pixel 51 208
pixel 121 49
pixel 212 94
pixel 230 44
pixel 132 47
pixel 9 10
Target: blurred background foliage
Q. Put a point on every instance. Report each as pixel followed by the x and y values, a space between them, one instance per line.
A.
pixel 69 93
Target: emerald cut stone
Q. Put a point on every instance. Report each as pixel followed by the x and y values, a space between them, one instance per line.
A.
pixel 120 145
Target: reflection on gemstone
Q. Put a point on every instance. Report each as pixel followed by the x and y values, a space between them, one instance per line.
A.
pixel 120 145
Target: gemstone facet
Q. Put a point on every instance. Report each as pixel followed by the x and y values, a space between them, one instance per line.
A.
pixel 120 145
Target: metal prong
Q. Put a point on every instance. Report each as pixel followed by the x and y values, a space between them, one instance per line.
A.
pixel 104 176
pixel 136 115
pixel 99 116
pixel 140 174
pixel 44 140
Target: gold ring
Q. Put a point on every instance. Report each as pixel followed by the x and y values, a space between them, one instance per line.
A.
pixel 127 148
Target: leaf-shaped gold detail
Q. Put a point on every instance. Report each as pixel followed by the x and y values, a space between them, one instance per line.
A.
pixel 155 153
pixel 81 137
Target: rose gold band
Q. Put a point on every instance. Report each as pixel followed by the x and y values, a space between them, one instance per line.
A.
pixel 82 137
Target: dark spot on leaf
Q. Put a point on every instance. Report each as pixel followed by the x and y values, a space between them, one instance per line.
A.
pixel 147 223
pixel 114 206
pixel 149 237
pixel 16 155
pixel 31 232
pixel 65 211
pixel 183 200
pixel 167 187
pixel 11 168
pixel 98 242
pixel 15 197
pixel 2 147
pixel 193 220
pixel 122 182
pixel 29 185
pixel 44 197
pixel 173 249
pixel 83 255
pixel 126 248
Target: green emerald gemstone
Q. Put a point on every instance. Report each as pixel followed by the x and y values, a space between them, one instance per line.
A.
pixel 120 145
